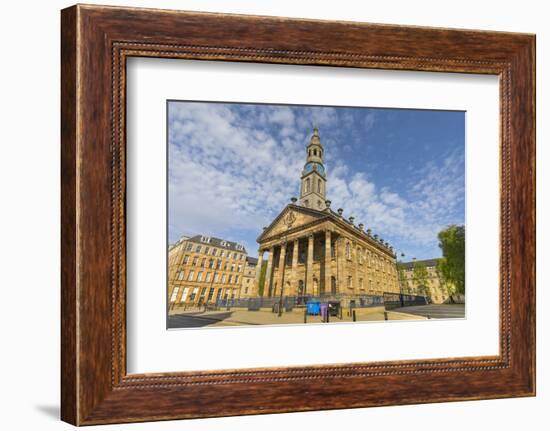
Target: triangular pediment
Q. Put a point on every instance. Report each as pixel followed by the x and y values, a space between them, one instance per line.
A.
pixel 292 217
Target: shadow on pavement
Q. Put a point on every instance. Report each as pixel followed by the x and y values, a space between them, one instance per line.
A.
pixel 196 320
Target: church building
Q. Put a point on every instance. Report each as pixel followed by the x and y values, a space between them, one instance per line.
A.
pixel 312 250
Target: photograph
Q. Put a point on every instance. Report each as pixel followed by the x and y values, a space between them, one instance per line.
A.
pixel 298 214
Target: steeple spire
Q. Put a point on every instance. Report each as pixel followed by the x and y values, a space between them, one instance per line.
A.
pixel 313 186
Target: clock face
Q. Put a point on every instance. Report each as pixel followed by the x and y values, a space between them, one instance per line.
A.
pixel 317 166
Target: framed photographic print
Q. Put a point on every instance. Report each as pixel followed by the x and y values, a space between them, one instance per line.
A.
pixel 268 215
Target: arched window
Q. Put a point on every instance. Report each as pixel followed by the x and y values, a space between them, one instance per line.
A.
pixel 319 186
pixel 308 185
pixel 314 152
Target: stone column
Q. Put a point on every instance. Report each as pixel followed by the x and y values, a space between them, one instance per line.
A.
pixel 309 267
pixel 355 263
pixel 341 267
pixel 268 272
pixel 293 274
pixel 281 272
pixel 258 272
pixel 328 272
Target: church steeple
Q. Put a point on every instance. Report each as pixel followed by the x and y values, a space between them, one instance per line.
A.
pixel 313 186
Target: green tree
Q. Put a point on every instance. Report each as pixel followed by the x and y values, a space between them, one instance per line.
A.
pixel 420 277
pixel 452 267
pixel 445 284
pixel 262 279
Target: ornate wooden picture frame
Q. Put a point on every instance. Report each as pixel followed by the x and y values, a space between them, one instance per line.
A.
pixel 96 42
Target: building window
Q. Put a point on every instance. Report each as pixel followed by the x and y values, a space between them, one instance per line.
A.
pixel 191 274
pixel 230 279
pixel 314 152
pixel 234 255
pixel 350 282
pixel 211 263
pixel 222 253
pixel 236 279
pixel 348 251
pixel 319 186
pixel 184 294
pixel 361 284
pixel 195 260
pixel 203 294
pixel 180 275
pixel 218 294
pixel 214 251
pixel 232 267
pixel 216 278
pixel 319 204
pixel 240 268
pixel 210 294
pixel 208 276
pixel 308 185
pixel 203 262
pixel 223 278
pixel 198 249
pixel 189 247
pixel 219 264
pixel 185 260
pixel 199 276
pixel 225 266
pixel 193 294
pixel 306 203
pixel 174 294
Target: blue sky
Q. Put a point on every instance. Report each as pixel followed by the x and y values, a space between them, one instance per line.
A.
pixel 233 167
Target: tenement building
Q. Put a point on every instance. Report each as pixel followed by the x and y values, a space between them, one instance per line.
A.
pixel 430 285
pixel 312 250
pixel 248 287
pixel 203 269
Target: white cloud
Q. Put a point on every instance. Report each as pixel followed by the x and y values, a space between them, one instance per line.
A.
pixel 234 167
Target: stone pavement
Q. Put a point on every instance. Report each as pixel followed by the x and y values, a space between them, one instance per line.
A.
pixel 436 311
pixel 196 319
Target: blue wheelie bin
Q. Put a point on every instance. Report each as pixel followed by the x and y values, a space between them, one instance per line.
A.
pixel 313 308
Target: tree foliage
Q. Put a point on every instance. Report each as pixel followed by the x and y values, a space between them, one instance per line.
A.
pixel 262 279
pixel 452 267
pixel 420 277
